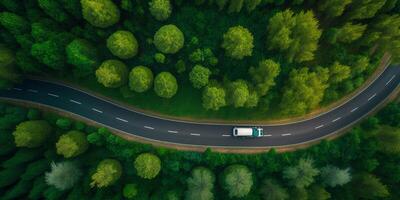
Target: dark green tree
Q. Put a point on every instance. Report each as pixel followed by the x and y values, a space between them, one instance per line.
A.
pixel 100 13
pixel 237 180
pixel 83 56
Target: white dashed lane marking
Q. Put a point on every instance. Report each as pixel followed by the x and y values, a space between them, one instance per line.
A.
pixel 267 135
pixel 97 110
pixel 172 131
pixel 336 119
pixel 286 134
pixel 33 91
pixel 149 127
pixel 225 135
pixel 18 89
pixel 354 109
pixel 369 99
pixel 387 83
pixel 73 101
pixel 195 134
pixel 53 95
pixel 120 119
pixel 320 126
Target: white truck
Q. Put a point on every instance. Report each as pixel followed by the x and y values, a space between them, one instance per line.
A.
pixel 248 132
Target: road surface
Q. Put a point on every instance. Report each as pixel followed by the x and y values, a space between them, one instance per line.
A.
pixel 191 133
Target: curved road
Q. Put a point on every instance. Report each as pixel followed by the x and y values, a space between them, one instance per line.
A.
pixel 189 133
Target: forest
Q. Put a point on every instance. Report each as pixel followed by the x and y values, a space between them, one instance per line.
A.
pixel 47 156
pixel 225 59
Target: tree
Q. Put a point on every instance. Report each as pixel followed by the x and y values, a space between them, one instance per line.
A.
pixel 237 180
pixel 238 42
pixel 54 10
pixel 159 58
pixel 333 176
pixel 333 8
pixel 31 133
pixel 14 23
pixel 338 72
pixel 83 56
pixel 368 186
pixel 63 175
pixel 350 32
pixel 147 165
pixel 199 76
pixel 238 93
pixel 295 35
pixel 10 176
pixel 271 190
pixel 108 171
pixel 123 44
pixel 160 9
pixel 390 114
pixel 301 175
pixel 21 157
pixel 44 29
pixel 72 144
pixel 364 9
pixel 8 73
pixel 200 184
pixel 304 91
pixel 169 39
pixel 317 192
pixel 112 73
pixel 35 169
pixel 389 140
pixel 235 5
pixel 140 79
pixel 213 98
pixel 63 123
pixel 130 191
pixel 165 85
pixel 100 13
pixel 264 75
pixel 18 190
pixel 252 4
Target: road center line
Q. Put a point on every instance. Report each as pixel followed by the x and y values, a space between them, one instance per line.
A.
pixel 120 119
pixel 369 99
pixel 267 135
pixel 33 91
pixel 195 134
pixel 320 126
pixel 172 131
pixel 336 119
pixel 149 127
pixel 18 89
pixel 286 134
pixel 73 101
pixel 97 110
pixel 387 83
pixel 225 135
pixel 53 95
pixel 354 109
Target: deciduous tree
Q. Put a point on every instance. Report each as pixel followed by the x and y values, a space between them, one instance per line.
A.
pixel 140 79
pixel 169 39
pixel 165 85
pixel 63 175
pixel 100 13
pixel 199 76
pixel 31 133
pixel 72 144
pixel 238 42
pixel 108 171
pixel 123 44
pixel 200 184
pixel 160 9
pixel 112 73
pixel 264 75
pixel 237 180
pixel 147 165
pixel 301 175
pixel 83 56
pixel 213 98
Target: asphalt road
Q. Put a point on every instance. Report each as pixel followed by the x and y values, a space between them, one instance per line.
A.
pixel 131 122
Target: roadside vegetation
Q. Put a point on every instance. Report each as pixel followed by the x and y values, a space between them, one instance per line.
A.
pixel 223 59
pixel 45 156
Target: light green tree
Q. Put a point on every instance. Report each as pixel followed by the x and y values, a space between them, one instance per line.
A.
pixel 338 72
pixel 238 93
pixel 108 171
pixel 165 85
pixel 333 176
pixel 237 180
pixel 140 79
pixel 238 42
pixel 169 39
pixel 199 76
pixel 147 165
pixel 100 13
pixel 123 44
pixel 213 98
pixel 112 73
pixel 200 184
pixel 264 75
pixel 83 56
pixel 252 4
pixel 364 9
pixel 235 6
pixel 160 9
pixel 63 175
pixel 301 175
pixel 350 32
pixel 31 133
pixel 72 144
pixel 333 8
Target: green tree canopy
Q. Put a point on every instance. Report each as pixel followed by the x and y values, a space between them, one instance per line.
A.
pixel 54 9
pixel 83 56
pixel 301 175
pixel 165 85
pixel 14 23
pixel 333 176
pixel 169 39
pixel 123 44
pixel 112 73
pixel 238 42
pixel 264 75
pixel 108 171
pixel 130 191
pixel 200 184
pixel 160 9
pixel 63 175
pixel 368 186
pixel 333 8
pixel 199 76
pixel 350 32
pixel 295 35
pixel 238 93
pixel 147 165
pixel 31 133
pixel 72 144
pixel 389 140
pixel 140 79
pixel 237 180
pixel 213 98
pixel 338 72
pixel 316 192
pixel 8 72
pixel 364 9
pixel 100 13
pixel 271 190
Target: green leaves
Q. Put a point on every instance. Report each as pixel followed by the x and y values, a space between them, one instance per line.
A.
pixel 147 165
pixel 72 144
pixel 165 85
pixel 160 9
pixel 100 13
pixel 199 76
pixel 237 180
pixel 31 133
pixel 123 44
pixel 213 98
pixel 140 79
pixel 107 173
pixel 169 39
pixel 200 184
pixel 238 42
pixel 112 73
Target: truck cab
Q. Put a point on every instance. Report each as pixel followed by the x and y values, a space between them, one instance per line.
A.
pixel 248 132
